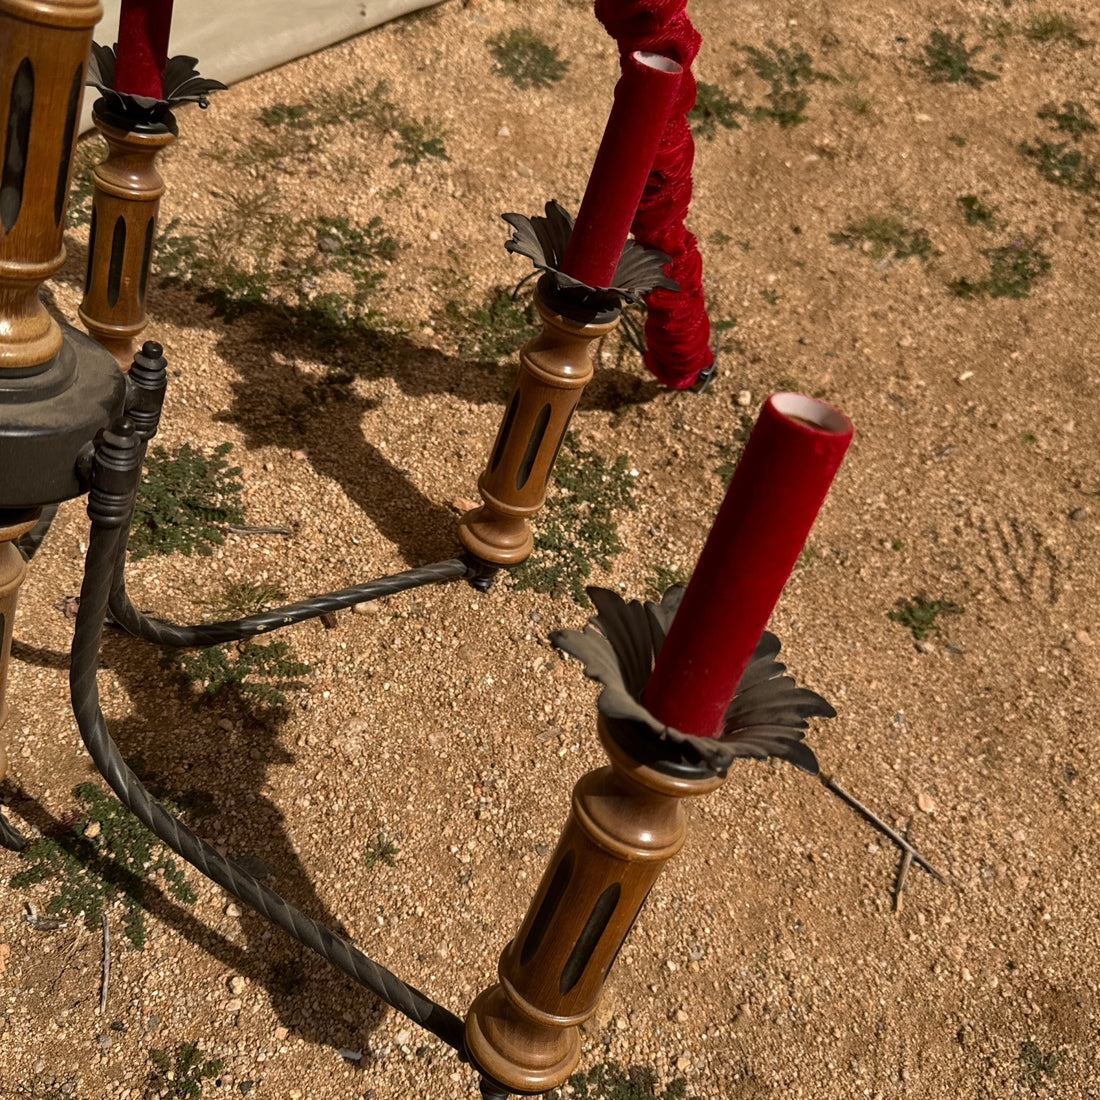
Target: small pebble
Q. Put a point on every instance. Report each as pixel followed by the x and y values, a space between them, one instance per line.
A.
pixel 744 398
pixel 926 803
pixel 235 1005
pixel 236 985
pixel 1078 514
pixel 232 909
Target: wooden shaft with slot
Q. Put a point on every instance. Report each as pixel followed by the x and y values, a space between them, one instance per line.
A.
pixel 12 571
pixel 44 46
pixel 627 820
pixel 125 204
pixel 554 368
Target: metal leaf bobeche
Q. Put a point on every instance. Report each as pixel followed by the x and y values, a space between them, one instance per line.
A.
pixel 766 717
pixel 182 84
pixel 543 240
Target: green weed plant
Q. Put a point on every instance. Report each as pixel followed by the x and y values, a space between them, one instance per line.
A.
pixel 885 235
pixel 788 72
pixel 919 615
pixel 713 108
pixel 187 498
pixel 1014 268
pixel 105 858
pixel 527 60
pixel 578 531
pixel 182 1074
pixel 947 60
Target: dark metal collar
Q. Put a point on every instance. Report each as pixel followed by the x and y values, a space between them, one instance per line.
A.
pixel 766 717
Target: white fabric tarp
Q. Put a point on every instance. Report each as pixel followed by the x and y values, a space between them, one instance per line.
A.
pixel 236 38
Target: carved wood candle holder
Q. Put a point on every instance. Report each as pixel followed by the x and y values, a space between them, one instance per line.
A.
pixel 554 369
pixel 12 571
pixel 56 391
pixel 627 821
pixel 125 205
pixel 126 196
pixel 42 63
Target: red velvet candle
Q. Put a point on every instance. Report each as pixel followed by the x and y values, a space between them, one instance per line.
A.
pixel 142 50
pixel 643 99
pixel 784 473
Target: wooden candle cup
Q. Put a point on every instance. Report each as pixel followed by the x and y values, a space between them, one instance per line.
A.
pixel 125 205
pixel 13 570
pixel 626 822
pixel 44 49
pixel 554 368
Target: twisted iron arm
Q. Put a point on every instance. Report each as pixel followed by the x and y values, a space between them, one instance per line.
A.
pixel 234 630
pixel 118 454
pixel 146 384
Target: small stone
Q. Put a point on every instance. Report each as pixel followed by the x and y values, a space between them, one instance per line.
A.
pixel 680 1016
pixel 235 1005
pixel 1083 637
pixel 280 1034
pixel 683 1063
pixel 504 132
pixel 621 1023
pixel 236 985
pixel 926 803
pixel 232 909
pixel 905 341
pixel 104 1041
pixel 92 830
pixel 152 1025
pixel 245 1087
pixel 1078 514
pixel 369 607
pixel 402 1037
pixel 744 398
pixel 926 646
pixel 462 505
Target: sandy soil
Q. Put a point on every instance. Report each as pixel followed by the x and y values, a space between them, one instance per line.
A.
pixel 770 960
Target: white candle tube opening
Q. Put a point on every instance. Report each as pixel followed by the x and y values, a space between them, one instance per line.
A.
pixel 808 410
pixel 656 61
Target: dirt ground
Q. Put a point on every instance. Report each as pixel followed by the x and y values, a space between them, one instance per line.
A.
pixel 770 960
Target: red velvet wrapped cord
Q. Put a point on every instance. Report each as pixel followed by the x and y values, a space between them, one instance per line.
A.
pixel 785 471
pixel 677 328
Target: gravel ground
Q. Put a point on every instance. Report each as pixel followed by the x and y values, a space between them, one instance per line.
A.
pixel 770 960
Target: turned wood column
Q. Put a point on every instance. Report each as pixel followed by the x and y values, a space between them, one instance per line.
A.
pixel 125 205
pixel 44 46
pixel 12 571
pixel 554 368
pixel 626 822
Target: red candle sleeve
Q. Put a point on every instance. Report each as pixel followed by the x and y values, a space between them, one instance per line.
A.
pixel 142 50
pixel 785 471
pixel 643 99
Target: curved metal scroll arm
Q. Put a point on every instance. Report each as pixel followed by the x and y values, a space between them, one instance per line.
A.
pixel 110 502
